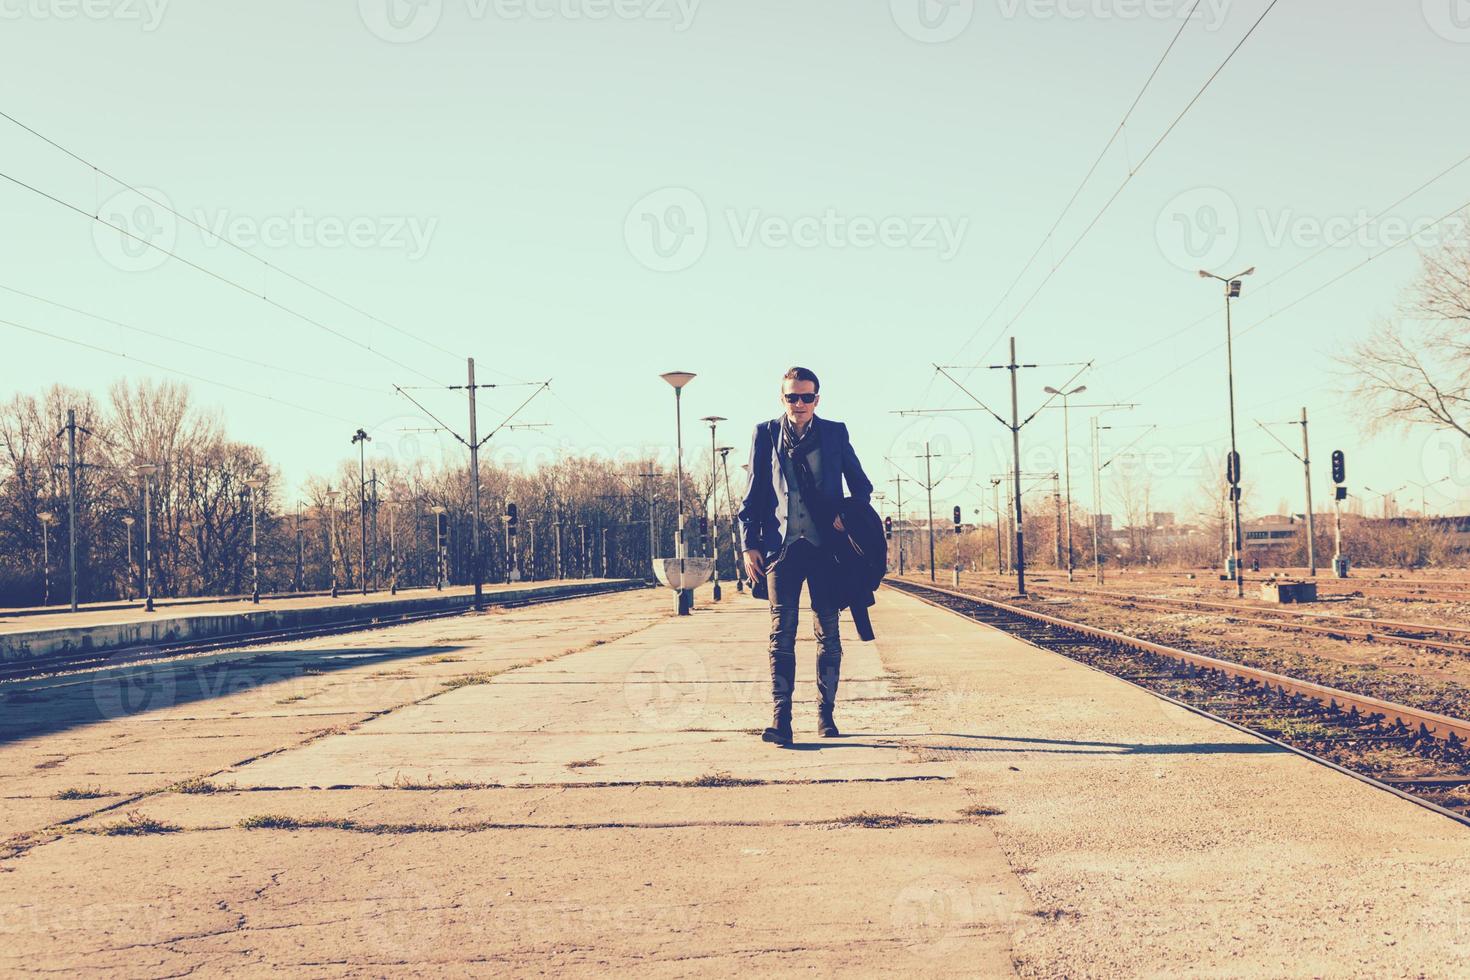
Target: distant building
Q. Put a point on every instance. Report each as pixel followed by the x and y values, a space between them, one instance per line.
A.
pixel 1161 519
pixel 1275 532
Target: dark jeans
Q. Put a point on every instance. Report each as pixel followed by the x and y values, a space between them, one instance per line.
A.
pixel 801 562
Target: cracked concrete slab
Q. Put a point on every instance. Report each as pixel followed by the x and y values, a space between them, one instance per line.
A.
pixel 1069 824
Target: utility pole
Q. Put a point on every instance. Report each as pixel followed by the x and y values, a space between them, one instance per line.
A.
pixel 475 493
pixel 734 530
pixel 714 502
pixel 995 483
pixel 300 548
pixel 1097 564
pixel 1014 368
pixel 1305 458
pixel 531 562
pixel 360 438
pixel 929 490
pixel 373 506
pixel 648 477
pixel 71 498
pixel 556 527
pixel 1056 496
pixel 473 443
pixel 392 549
pixel 898 481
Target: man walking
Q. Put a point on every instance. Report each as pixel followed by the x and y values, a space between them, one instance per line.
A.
pixel 797 466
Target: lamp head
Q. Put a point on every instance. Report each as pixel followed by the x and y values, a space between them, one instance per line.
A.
pixel 677 379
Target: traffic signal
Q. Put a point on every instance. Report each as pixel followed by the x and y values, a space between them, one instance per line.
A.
pixel 888 529
pixel 1232 468
pixel 957 519
pixel 1339 466
pixel 510 515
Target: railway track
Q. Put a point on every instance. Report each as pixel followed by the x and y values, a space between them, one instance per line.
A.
pixel 1416 754
pixel 1365 628
pixel 1430 591
pixel 74 661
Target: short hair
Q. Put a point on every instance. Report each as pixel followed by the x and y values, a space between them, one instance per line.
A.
pixel 802 374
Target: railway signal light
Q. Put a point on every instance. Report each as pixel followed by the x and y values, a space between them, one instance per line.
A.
pixel 1341 492
pixel 1232 468
pixel 957 519
pixel 1339 466
pixel 510 516
pixel 887 529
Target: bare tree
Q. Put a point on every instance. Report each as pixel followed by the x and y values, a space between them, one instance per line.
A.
pixel 1415 369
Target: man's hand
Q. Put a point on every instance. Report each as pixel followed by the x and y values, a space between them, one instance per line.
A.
pixel 755 564
pixel 837 523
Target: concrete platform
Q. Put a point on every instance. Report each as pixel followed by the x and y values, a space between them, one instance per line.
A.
pixel 34 632
pixel 578 788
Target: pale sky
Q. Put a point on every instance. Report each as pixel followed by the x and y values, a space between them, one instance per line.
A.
pixel 597 191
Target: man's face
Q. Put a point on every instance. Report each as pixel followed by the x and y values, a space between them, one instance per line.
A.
pixel 798 410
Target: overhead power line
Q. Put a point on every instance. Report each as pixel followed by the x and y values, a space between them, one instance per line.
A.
pixel 215 275
pixel 191 344
pixel 172 370
pixel 1133 172
pixel 411 335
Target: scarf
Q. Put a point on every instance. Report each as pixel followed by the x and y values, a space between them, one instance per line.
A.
pixel 791 443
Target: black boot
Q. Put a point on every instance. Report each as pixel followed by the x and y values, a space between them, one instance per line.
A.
pixel 783 681
pixel 829 669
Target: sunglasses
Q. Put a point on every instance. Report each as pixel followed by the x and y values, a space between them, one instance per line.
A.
pixel 803 396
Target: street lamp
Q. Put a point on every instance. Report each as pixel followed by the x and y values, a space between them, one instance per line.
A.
pixel 1385 495
pixel 128 523
pixel 1424 493
pixel 147 471
pixel 677 380
pixel 714 500
pixel 1067 459
pixel 438 511
pixel 47 519
pixel 254 483
pixel 1232 291
pixel 332 496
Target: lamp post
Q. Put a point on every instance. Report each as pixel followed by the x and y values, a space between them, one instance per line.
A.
pixel 47 519
pixel 332 496
pixel 677 380
pixel 1067 460
pixel 360 439
pixel 1386 495
pixel 714 500
pixel 128 523
pixel 146 471
pixel 1232 291
pixel 254 483
pixel 1424 493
